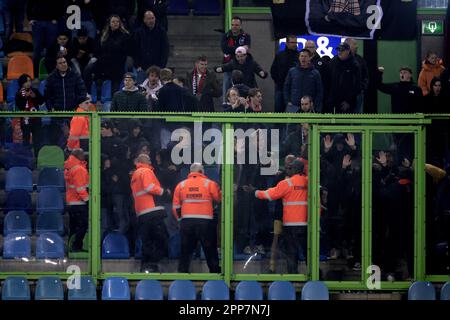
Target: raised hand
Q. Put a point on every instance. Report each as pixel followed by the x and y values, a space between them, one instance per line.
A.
pixel 346 161
pixel 350 140
pixel 327 142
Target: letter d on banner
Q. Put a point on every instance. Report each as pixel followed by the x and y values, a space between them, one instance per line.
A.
pixel 374 280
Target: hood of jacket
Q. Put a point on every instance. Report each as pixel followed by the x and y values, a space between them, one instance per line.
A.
pixel 72 162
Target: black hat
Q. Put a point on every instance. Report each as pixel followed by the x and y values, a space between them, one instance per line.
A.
pixel 343 46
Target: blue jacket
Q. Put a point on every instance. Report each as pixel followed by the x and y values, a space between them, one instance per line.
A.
pixel 303 82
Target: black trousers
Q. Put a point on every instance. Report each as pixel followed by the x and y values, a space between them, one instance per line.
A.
pixel 294 240
pixel 78 224
pixel 192 231
pixel 153 234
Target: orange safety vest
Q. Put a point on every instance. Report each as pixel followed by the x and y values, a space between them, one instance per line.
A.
pixel 195 197
pixel 79 129
pixel 294 192
pixel 77 181
pixel 144 186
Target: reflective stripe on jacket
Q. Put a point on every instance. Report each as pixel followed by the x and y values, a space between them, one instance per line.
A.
pixel 144 186
pixel 79 129
pixel 77 181
pixel 195 197
pixel 294 192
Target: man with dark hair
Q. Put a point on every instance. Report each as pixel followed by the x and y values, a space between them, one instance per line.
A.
pixel 61 47
pixel 129 98
pixel 281 65
pixel 65 89
pixel 151 85
pixel 172 97
pixel 231 40
pixel 203 84
pixel 345 82
pixel 84 49
pixel 151 46
pixel 303 80
pixel 406 97
pixel 237 78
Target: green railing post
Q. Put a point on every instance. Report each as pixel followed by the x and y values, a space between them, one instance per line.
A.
pixel 366 237
pixel 314 208
pixel 419 205
pixel 95 205
pixel 228 14
pixel 228 200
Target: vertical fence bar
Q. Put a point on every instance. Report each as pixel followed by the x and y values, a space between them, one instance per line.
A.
pixel 314 208
pixel 95 196
pixel 366 248
pixel 419 206
pixel 228 14
pixel 228 201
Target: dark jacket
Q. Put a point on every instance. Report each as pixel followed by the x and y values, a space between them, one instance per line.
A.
pixel 125 100
pixel 173 98
pixel 114 148
pixel 230 43
pixel 64 93
pixel 52 53
pixel 45 10
pixel 210 90
pixel 345 84
pixel 249 69
pixel 303 82
pixel 406 97
pixel 434 104
pixel 364 71
pixel 151 47
pixel 89 48
pixel 281 65
pixel 112 55
pixel 33 103
pixel 242 88
pixel 158 7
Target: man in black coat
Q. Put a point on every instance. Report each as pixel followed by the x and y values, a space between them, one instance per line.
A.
pixel 345 81
pixel 151 46
pixel 406 97
pixel 172 97
pixel 282 63
pixel 65 89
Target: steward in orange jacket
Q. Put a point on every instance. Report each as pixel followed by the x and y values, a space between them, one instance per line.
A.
pixel 77 196
pixel 79 128
pixel 294 193
pixel 193 204
pixel 151 227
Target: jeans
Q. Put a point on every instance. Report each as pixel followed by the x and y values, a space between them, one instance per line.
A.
pixel 279 101
pixel 44 35
pixel 226 84
pixel 14 12
pixel 90 27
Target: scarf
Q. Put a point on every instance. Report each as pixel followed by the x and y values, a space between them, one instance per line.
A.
pixel 197 86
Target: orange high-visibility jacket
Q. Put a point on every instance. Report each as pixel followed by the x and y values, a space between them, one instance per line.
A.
pixel 77 181
pixel 195 197
pixel 79 129
pixel 144 185
pixel 294 192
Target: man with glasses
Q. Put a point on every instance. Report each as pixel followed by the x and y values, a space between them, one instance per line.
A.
pixel 283 61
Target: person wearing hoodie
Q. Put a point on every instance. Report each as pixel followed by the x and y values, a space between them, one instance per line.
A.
pixel 244 61
pixel 281 65
pixel 135 136
pixel 76 177
pixel 431 67
pixel 129 98
pixel 303 80
pixel 406 97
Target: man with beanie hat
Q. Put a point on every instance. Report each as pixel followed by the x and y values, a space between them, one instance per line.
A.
pixel 129 98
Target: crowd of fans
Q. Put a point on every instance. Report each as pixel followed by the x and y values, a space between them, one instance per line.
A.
pixel 132 52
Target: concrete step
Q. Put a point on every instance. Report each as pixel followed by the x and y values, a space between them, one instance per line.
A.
pixel 195 25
